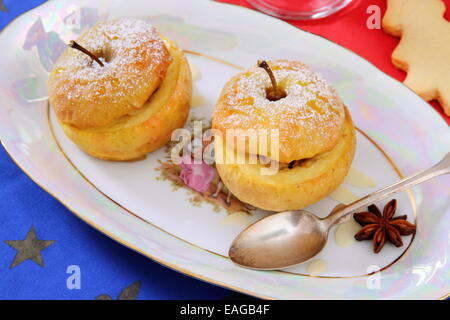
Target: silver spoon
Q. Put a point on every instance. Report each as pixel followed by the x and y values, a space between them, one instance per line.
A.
pixel 288 238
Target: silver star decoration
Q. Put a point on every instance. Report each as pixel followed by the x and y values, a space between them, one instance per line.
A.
pixel 29 248
pixel 129 293
pixel 2 6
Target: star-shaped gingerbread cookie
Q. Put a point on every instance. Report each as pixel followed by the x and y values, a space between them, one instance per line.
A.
pixel 424 48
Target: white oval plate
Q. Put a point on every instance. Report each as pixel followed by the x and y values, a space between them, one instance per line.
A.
pixel 398 133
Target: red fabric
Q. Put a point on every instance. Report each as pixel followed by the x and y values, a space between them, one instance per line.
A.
pixel 348 28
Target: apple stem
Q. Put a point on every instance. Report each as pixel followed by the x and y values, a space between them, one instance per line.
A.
pixel 75 45
pixel 276 90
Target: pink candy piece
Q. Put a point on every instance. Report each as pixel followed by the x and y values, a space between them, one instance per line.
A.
pixel 197 176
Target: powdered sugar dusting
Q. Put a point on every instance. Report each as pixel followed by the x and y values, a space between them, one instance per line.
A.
pixel 310 109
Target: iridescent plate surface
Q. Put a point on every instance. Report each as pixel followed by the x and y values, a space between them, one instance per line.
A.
pixel 399 134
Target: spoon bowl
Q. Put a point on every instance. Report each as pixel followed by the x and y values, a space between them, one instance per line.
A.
pixel 280 241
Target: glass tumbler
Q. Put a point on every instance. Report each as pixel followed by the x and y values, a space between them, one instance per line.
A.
pixel 299 9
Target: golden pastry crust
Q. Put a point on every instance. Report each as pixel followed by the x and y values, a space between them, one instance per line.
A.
pixel 309 118
pixel 84 94
pixel 289 189
pixel 148 128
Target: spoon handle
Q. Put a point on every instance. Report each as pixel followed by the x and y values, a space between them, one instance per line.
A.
pixel 443 167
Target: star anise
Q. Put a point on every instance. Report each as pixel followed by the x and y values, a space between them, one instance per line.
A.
pixel 382 227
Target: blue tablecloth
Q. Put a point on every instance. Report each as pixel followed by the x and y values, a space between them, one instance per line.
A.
pixel 48 253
